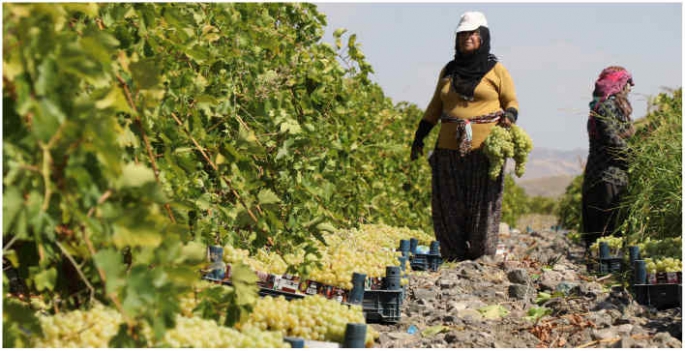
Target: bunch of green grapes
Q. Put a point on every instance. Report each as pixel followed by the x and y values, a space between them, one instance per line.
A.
pixel 667 265
pixel 197 332
pixel 386 236
pixel 669 247
pixel 615 245
pixel 92 328
pixel 348 254
pixel 368 250
pixel 313 318
pixel 189 301
pixel 498 146
pixel 523 145
pixel 263 261
pixel 97 326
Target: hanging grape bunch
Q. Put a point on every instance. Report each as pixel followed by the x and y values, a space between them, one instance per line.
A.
pixel 503 143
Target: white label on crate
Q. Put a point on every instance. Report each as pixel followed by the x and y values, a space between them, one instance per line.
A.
pixel 672 277
pixel 651 278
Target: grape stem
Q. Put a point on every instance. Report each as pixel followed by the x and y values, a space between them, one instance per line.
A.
pixel 138 122
pixel 78 269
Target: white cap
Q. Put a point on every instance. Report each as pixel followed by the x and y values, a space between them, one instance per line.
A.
pixel 471 21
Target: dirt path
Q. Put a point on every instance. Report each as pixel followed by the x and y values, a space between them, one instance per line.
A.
pixel 485 303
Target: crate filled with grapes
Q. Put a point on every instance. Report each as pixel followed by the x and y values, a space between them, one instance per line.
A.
pixel 606 256
pixel 658 284
pixel 663 260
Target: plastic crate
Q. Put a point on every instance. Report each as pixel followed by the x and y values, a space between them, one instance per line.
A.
pixel 605 265
pixel 665 278
pixel 659 296
pixel 382 306
pixel 425 262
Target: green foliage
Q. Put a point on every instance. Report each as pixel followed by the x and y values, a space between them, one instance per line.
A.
pixel 515 202
pixel 135 133
pixel 652 207
pixel 542 205
pixel 570 207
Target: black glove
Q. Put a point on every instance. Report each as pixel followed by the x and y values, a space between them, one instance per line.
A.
pixel 512 114
pixel 421 132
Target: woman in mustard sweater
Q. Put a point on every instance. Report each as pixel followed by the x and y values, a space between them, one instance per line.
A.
pixel 473 94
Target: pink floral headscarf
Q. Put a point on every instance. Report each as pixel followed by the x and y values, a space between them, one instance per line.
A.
pixel 611 81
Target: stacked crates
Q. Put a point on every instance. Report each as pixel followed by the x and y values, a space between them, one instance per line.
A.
pixel 659 290
pixel 421 259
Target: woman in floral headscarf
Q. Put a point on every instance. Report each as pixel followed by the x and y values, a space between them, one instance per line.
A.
pixel 606 176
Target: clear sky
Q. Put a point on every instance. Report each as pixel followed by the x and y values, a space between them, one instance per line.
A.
pixel 554 52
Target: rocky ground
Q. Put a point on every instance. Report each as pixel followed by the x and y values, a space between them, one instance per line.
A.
pixel 488 302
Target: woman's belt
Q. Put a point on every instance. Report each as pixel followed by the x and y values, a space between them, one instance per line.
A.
pixel 464 133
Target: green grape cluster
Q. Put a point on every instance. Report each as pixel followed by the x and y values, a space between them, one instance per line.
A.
pixel 197 332
pixel 666 265
pixel 92 328
pixel 523 145
pixel 97 326
pixel 615 245
pixel 669 247
pixel 498 146
pixel 368 250
pixel 313 318
pixel 503 143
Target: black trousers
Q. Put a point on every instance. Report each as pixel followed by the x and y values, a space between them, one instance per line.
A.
pixel 600 211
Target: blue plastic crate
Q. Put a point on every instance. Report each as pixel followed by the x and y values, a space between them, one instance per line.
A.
pixel 425 262
pixel 382 306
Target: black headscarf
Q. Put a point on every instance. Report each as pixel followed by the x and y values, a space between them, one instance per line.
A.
pixel 468 70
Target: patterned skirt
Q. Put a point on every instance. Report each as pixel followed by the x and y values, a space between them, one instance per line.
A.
pixel 466 204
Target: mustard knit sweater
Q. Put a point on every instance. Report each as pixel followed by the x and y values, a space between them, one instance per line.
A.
pixel 495 91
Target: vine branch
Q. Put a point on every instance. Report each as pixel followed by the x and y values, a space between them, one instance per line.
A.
pixel 211 163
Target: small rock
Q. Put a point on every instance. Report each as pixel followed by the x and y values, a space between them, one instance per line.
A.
pixel 397 335
pixel 590 289
pixel 518 291
pixel 449 319
pixel 565 287
pixel 451 337
pixel 550 279
pixel 624 343
pixel 518 276
pixel 665 339
pixel 470 315
pixel 446 284
pixel 475 304
pixel 605 305
pixel 456 306
pixel 624 329
pixel 428 310
pixel 601 319
pixel 600 334
pixel 638 330
pixel 424 294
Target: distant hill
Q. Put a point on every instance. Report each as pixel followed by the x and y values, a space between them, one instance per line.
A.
pixel 549 171
pixel 553 186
